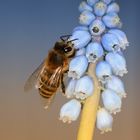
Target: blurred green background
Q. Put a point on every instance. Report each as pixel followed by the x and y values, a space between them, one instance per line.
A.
pixel 28 28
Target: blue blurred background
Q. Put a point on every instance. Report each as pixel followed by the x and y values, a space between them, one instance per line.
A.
pixel 28 28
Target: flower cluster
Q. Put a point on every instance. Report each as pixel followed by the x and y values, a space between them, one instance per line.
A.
pixel 99 40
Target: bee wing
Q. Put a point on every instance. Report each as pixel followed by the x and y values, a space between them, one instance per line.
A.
pixel 54 79
pixel 33 78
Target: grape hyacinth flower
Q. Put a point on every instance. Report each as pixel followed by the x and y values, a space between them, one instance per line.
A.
pixel 104 120
pixel 86 18
pixel 84 88
pixel 70 111
pixel 83 38
pixel 103 71
pixel 78 67
pixel 113 8
pixel 80 28
pixel 117 63
pixel 110 42
pixel 81 51
pixel 121 36
pixel 84 7
pixel 97 67
pixel 97 27
pixel 112 20
pixel 116 84
pixel 92 2
pixel 112 102
pixel 100 8
pixel 94 51
pixel 69 93
pixel 107 1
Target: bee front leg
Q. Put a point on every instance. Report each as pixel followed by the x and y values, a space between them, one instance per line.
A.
pixel 62 84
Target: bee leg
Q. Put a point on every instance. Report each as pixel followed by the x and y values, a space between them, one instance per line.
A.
pixel 62 84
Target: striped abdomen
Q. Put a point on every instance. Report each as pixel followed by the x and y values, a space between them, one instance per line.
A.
pixel 48 84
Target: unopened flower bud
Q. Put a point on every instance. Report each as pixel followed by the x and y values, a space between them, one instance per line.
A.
pixel 112 20
pixel 107 1
pixel 86 18
pixel 92 2
pixel 113 7
pixel 84 7
pixel 100 8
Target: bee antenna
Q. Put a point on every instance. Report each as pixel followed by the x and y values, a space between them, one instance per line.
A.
pixel 72 40
pixel 65 37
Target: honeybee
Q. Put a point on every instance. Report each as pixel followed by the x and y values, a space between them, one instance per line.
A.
pixel 48 77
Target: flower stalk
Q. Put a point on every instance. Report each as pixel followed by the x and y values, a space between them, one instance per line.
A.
pixel 88 118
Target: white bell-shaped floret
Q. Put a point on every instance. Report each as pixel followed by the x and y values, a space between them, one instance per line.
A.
pixel 97 27
pixel 104 120
pixel 103 71
pixel 78 67
pixel 110 42
pixel 116 84
pixel 70 111
pixel 94 51
pixel 82 37
pixel 84 87
pixel 81 51
pixel 121 37
pixel 112 102
pixel 117 63
pixel 70 88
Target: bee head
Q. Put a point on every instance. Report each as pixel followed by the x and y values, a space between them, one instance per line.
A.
pixel 65 48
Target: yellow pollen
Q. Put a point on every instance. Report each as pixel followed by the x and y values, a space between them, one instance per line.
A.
pixel 116 20
pixel 100 5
